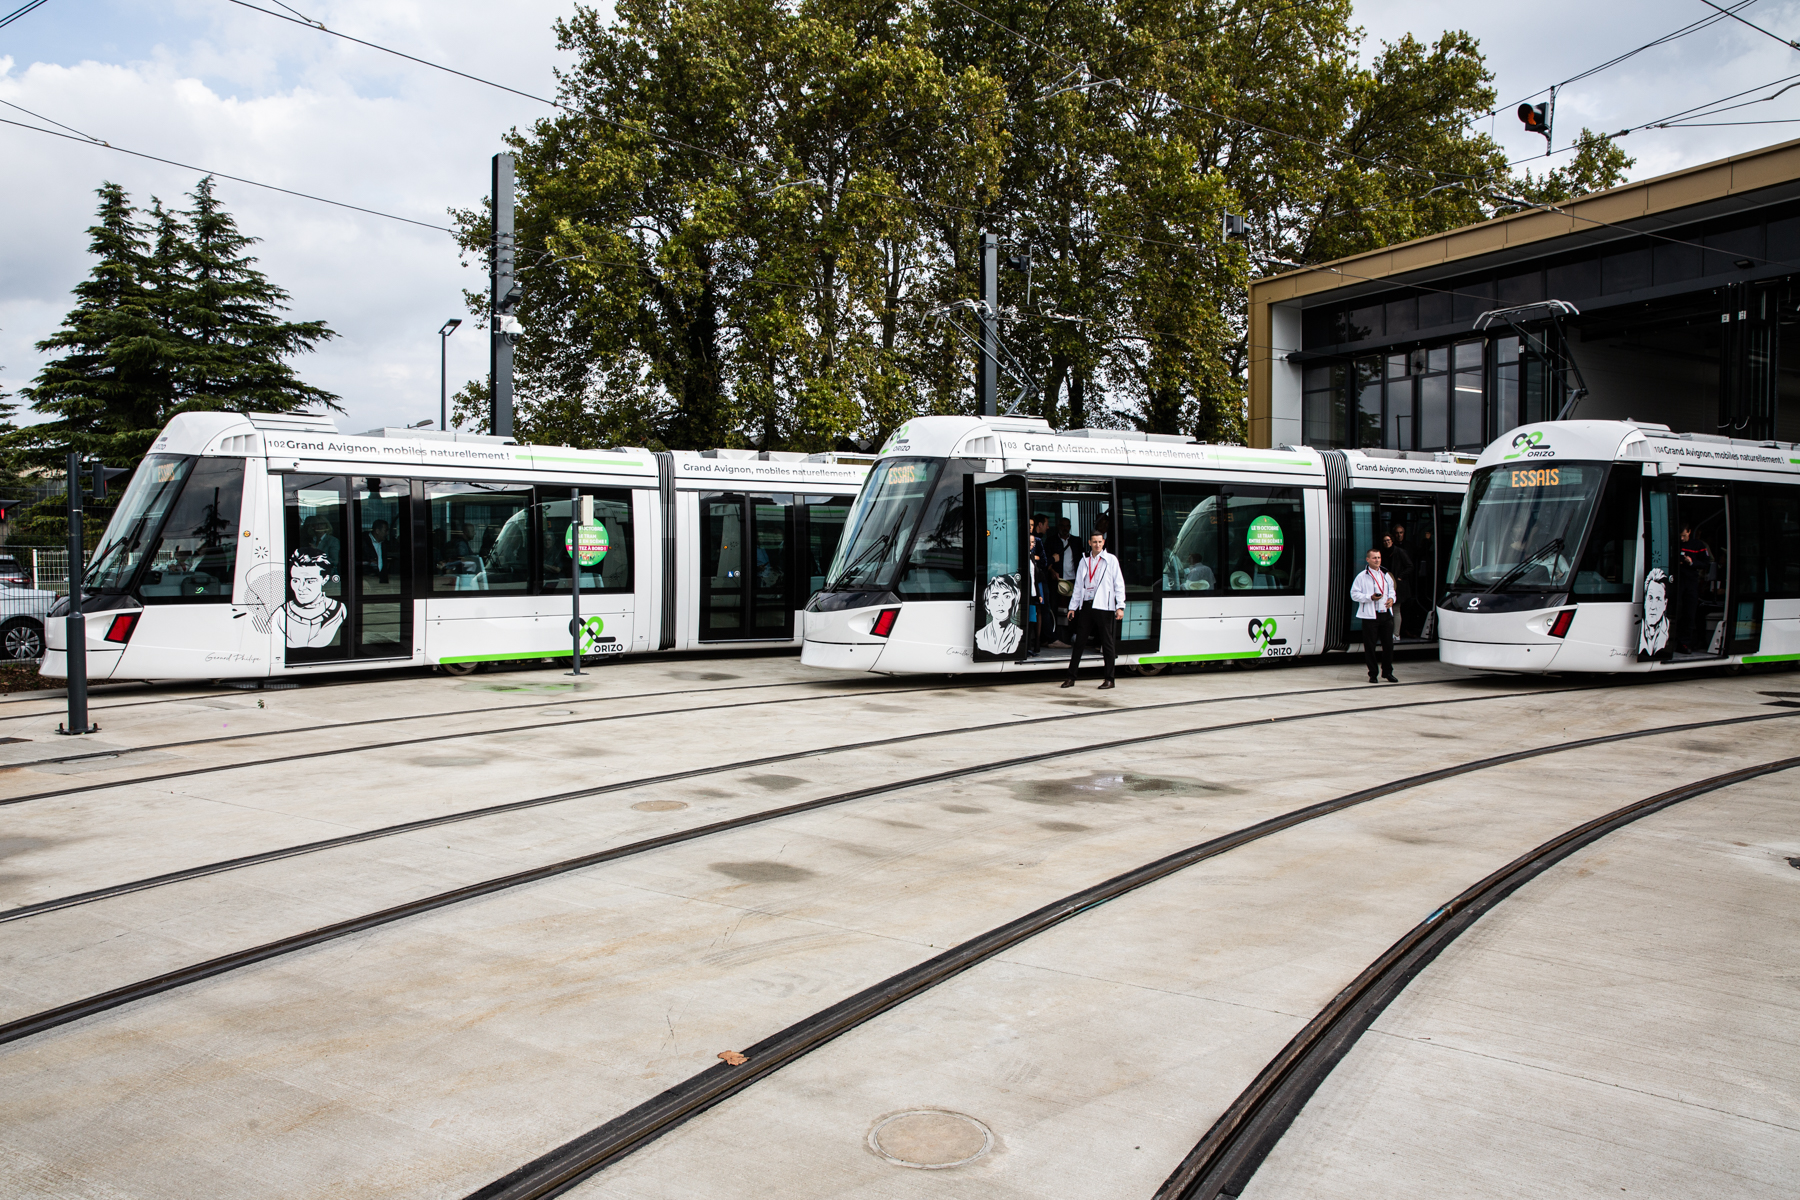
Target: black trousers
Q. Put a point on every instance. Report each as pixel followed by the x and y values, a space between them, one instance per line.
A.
pixel 1380 629
pixel 1099 625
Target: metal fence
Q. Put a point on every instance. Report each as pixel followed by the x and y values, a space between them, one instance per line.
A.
pixel 25 604
pixel 49 568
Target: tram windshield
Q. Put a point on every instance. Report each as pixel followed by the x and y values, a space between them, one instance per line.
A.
pixel 872 553
pixel 136 522
pixel 1524 525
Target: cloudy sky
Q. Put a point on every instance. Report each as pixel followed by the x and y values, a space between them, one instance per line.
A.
pixel 213 84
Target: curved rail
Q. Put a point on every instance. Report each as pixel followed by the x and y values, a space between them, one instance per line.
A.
pixel 1224 1160
pixel 575 1160
pixel 76 1010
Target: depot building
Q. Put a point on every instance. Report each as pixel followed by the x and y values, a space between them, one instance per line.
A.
pixel 1672 300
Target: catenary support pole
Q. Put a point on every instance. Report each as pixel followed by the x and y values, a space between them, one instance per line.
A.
pixel 75 628
pixel 575 531
pixel 504 296
pixel 987 372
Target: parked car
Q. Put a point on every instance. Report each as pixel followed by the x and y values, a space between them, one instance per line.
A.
pixel 23 611
pixel 13 571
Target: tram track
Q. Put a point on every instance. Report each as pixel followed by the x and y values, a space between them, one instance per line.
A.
pixel 374 721
pixel 250 860
pixel 68 1013
pixel 1222 1163
pixel 582 1157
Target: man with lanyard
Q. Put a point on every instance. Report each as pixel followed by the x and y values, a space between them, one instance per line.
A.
pixel 1373 594
pixel 1097 601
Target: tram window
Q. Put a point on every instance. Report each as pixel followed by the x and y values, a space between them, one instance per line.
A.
pixel 153 489
pixel 824 529
pixel 1608 563
pixel 550 537
pixel 936 569
pixel 881 525
pixel 468 551
pixel 1766 529
pixel 1264 539
pixel 311 620
pixel 195 558
pixel 1190 539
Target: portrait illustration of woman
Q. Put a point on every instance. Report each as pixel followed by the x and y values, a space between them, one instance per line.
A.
pixel 1003 630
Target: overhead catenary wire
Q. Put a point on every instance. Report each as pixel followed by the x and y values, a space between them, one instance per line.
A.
pixel 86 140
pixel 16 13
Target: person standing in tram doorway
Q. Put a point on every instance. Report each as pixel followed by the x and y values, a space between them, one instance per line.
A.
pixel 1096 606
pixel 1372 591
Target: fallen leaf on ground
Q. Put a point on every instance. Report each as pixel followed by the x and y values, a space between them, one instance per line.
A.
pixel 733 1057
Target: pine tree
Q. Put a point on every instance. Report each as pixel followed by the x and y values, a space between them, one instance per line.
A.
pixel 174 317
pixel 229 315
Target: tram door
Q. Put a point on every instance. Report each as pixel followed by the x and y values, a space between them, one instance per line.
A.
pixel 1687 566
pixel 1001 548
pixel 348 572
pixel 745 559
pixel 1413 561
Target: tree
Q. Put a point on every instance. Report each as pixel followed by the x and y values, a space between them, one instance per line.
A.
pixel 747 221
pixel 174 317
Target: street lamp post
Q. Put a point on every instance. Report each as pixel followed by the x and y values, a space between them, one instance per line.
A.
pixel 444 372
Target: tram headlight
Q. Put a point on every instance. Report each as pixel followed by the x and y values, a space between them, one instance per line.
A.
pixel 884 622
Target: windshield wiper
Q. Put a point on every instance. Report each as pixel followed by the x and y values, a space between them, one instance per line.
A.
pixel 875 548
pixel 1552 545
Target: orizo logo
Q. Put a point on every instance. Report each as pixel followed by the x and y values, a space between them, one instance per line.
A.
pixel 1528 440
pixel 1263 630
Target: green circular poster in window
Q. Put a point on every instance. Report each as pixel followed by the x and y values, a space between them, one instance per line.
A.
pixel 594 542
pixel 1264 541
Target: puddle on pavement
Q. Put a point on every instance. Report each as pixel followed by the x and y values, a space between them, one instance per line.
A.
pixel 887 708
pixel 1113 787
pixel 452 760
pixel 702 676
pixel 1087 703
pixel 528 689
pixel 775 783
pixel 1063 826
pixel 658 806
pixel 762 872
pixel 961 808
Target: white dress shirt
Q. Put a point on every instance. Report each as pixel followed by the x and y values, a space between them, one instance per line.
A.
pixel 1098 579
pixel 1367 588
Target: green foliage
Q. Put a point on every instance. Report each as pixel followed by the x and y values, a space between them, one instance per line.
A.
pixel 174 317
pixel 743 227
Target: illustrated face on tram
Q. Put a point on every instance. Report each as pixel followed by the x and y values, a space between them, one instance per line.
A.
pixel 1001 598
pixel 306 576
pixel 1656 597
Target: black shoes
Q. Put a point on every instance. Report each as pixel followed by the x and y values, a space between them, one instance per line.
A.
pixel 1071 682
pixel 1372 679
pixel 1389 679
pixel 1106 685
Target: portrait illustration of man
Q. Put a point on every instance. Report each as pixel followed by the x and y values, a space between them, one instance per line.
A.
pixel 310 618
pixel 1654 639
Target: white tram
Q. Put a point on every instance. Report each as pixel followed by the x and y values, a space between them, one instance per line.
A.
pixel 251 546
pixel 1621 546
pixel 1228 553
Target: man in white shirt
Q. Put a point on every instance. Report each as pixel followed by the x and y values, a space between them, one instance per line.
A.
pixel 1373 593
pixel 1096 604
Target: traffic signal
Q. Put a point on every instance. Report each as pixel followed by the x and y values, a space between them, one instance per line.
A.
pixel 1536 118
pixel 98 473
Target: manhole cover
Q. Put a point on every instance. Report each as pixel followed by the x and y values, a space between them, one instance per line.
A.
pixel 658 806
pixel 930 1139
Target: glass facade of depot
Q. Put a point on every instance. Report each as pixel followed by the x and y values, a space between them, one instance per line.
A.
pixel 1700 322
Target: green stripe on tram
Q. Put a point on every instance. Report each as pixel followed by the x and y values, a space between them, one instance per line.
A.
pixel 1175 658
pixel 1763 658
pixel 471 658
pixel 594 462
